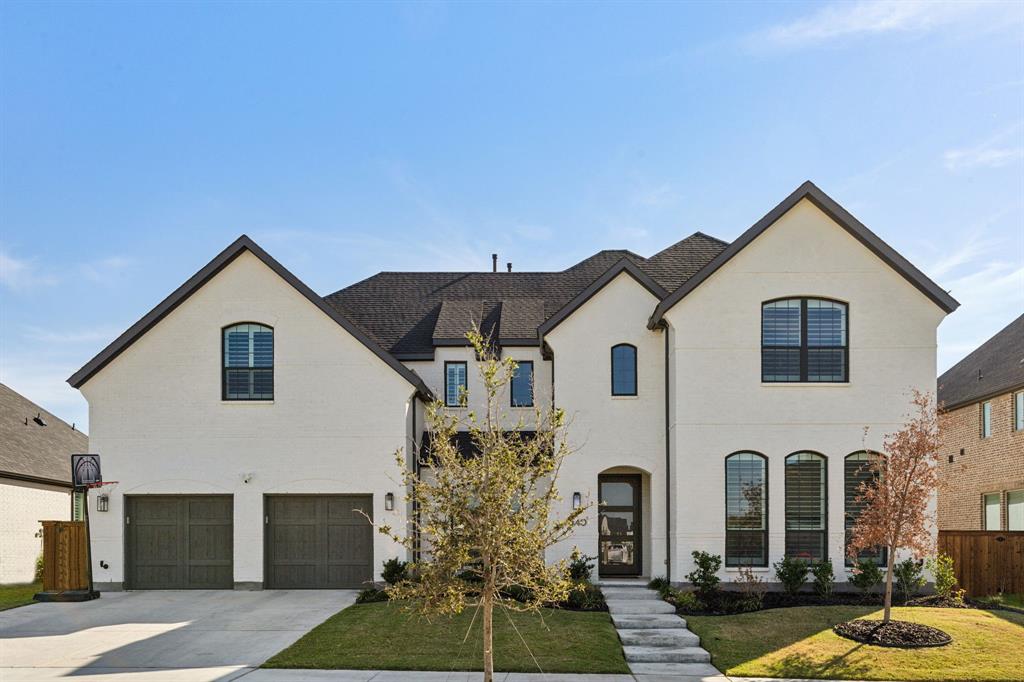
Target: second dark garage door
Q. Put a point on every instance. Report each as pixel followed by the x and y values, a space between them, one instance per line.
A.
pixel 318 541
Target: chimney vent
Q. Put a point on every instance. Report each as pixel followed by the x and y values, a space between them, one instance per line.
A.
pixel 494 262
pixel 509 266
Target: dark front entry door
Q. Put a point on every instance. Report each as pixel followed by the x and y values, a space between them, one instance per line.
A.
pixel 179 542
pixel 619 533
pixel 318 541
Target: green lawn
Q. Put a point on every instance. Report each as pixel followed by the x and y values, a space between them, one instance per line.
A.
pixel 1013 600
pixel 799 642
pixel 17 595
pixel 385 636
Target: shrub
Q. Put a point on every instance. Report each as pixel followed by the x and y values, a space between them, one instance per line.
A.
pixel 705 576
pixel 586 597
pixel 687 601
pixel 371 595
pixel 752 588
pixel 865 575
pixel 395 571
pixel 661 584
pixel 909 577
pixel 792 573
pixel 40 568
pixel 580 566
pixel 941 567
pixel 518 593
pixel 824 578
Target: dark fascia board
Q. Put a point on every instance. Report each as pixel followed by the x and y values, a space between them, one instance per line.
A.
pixel 840 215
pixel 1008 389
pixel 210 270
pixel 28 478
pixel 623 265
pixel 501 341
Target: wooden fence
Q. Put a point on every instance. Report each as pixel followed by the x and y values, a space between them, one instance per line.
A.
pixel 65 556
pixel 986 561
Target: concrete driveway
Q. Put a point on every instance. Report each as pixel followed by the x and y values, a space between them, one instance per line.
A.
pixel 186 635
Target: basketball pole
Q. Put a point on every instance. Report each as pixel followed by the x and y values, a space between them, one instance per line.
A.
pixel 88 540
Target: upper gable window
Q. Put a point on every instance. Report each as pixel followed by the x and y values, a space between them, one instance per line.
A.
pixel 986 419
pixel 248 362
pixel 522 384
pixel 623 369
pixel 804 340
pixel 455 384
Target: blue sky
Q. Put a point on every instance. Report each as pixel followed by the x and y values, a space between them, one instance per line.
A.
pixel 137 140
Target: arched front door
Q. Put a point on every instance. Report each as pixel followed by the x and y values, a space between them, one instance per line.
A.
pixel 619 532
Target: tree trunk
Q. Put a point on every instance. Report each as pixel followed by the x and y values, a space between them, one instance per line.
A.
pixel 888 584
pixel 488 599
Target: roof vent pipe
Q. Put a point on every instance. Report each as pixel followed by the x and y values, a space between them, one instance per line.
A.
pixel 494 262
pixel 509 266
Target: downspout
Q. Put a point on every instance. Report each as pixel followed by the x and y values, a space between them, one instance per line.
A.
pixel 668 468
pixel 416 470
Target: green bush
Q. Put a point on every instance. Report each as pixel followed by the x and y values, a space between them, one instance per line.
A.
pixel 909 577
pixel 941 567
pixel 660 584
pixel 40 568
pixel 865 575
pixel 752 588
pixel 705 576
pixel 586 597
pixel 518 593
pixel 371 595
pixel 687 601
pixel 824 578
pixel 580 566
pixel 395 571
pixel 792 573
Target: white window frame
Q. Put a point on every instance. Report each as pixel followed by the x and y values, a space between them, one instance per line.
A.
pixel 1015 510
pixel 986 419
pixel 986 509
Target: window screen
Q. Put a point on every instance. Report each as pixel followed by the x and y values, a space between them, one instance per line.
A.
pixel 806 506
pixel 746 510
pixel 522 385
pixel 248 362
pixel 624 370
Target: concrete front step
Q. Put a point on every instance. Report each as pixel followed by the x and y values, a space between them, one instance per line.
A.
pixel 676 637
pixel 690 669
pixel 628 593
pixel 623 582
pixel 660 621
pixel 639 606
pixel 666 654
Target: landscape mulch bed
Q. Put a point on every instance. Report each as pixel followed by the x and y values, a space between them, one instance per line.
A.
pixel 895 633
pixel 729 602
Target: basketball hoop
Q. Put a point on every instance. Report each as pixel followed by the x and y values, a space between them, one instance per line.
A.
pixel 98 484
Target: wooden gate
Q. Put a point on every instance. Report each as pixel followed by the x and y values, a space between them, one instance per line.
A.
pixel 986 561
pixel 65 556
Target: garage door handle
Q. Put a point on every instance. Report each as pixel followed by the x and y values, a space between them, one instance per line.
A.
pixel 266 519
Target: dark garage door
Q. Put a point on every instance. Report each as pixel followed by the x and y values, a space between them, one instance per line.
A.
pixel 318 541
pixel 179 542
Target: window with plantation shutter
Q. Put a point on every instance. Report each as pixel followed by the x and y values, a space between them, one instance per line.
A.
pixel 248 362
pixel 855 473
pixel 455 384
pixel 746 509
pixel 804 340
pixel 806 506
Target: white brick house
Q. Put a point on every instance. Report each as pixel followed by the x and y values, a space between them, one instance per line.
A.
pixel 716 392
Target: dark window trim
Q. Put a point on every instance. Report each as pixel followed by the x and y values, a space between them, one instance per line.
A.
pixel 725 500
pixel 824 530
pixel 883 556
pixel 511 391
pixel 636 376
pixel 462 400
pixel 224 368
pixel 803 340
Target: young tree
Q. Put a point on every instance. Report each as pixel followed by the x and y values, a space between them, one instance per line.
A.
pixel 488 517
pixel 896 497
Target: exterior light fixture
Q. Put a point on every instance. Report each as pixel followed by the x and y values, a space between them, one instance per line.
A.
pixel 103 503
pixel 389 502
pixel 577 500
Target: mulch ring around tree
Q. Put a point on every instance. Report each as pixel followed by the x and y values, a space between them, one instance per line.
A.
pixel 895 633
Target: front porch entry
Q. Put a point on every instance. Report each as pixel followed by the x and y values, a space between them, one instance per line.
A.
pixel 620 513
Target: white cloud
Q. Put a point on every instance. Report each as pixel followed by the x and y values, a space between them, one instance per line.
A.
pixel 981 157
pixel 22 275
pixel 104 270
pixel 865 18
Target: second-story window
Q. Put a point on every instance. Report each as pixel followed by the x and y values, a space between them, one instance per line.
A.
pixel 986 419
pixel 623 369
pixel 248 362
pixel 1018 411
pixel 455 384
pixel 804 340
pixel 522 384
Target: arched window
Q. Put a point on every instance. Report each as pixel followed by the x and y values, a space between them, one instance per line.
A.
pixel 855 473
pixel 806 506
pixel 804 340
pixel 624 369
pixel 746 509
pixel 248 362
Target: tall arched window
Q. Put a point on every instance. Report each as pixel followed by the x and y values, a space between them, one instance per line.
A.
pixel 248 350
pixel 624 369
pixel 855 473
pixel 804 340
pixel 806 506
pixel 746 509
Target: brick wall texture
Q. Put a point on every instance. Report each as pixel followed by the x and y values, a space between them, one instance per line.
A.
pixel 987 465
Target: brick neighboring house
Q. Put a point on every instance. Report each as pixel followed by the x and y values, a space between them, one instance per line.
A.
pixel 983 457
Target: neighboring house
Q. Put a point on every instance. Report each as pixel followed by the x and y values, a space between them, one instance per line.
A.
pixel 35 480
pixel 718 395
pixel 983 439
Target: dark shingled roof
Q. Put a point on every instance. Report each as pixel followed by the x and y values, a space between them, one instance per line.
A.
pixel 408 313
pixel 995 367
pixel 31 451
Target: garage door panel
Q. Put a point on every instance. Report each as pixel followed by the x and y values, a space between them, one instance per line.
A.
pixel 211 576
pixel 349 576
pixel 349 544
pixel 209 543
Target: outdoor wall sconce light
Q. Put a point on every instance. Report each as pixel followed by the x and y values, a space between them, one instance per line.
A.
pixel 577 500
pixel 389 502
pixel 103 503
